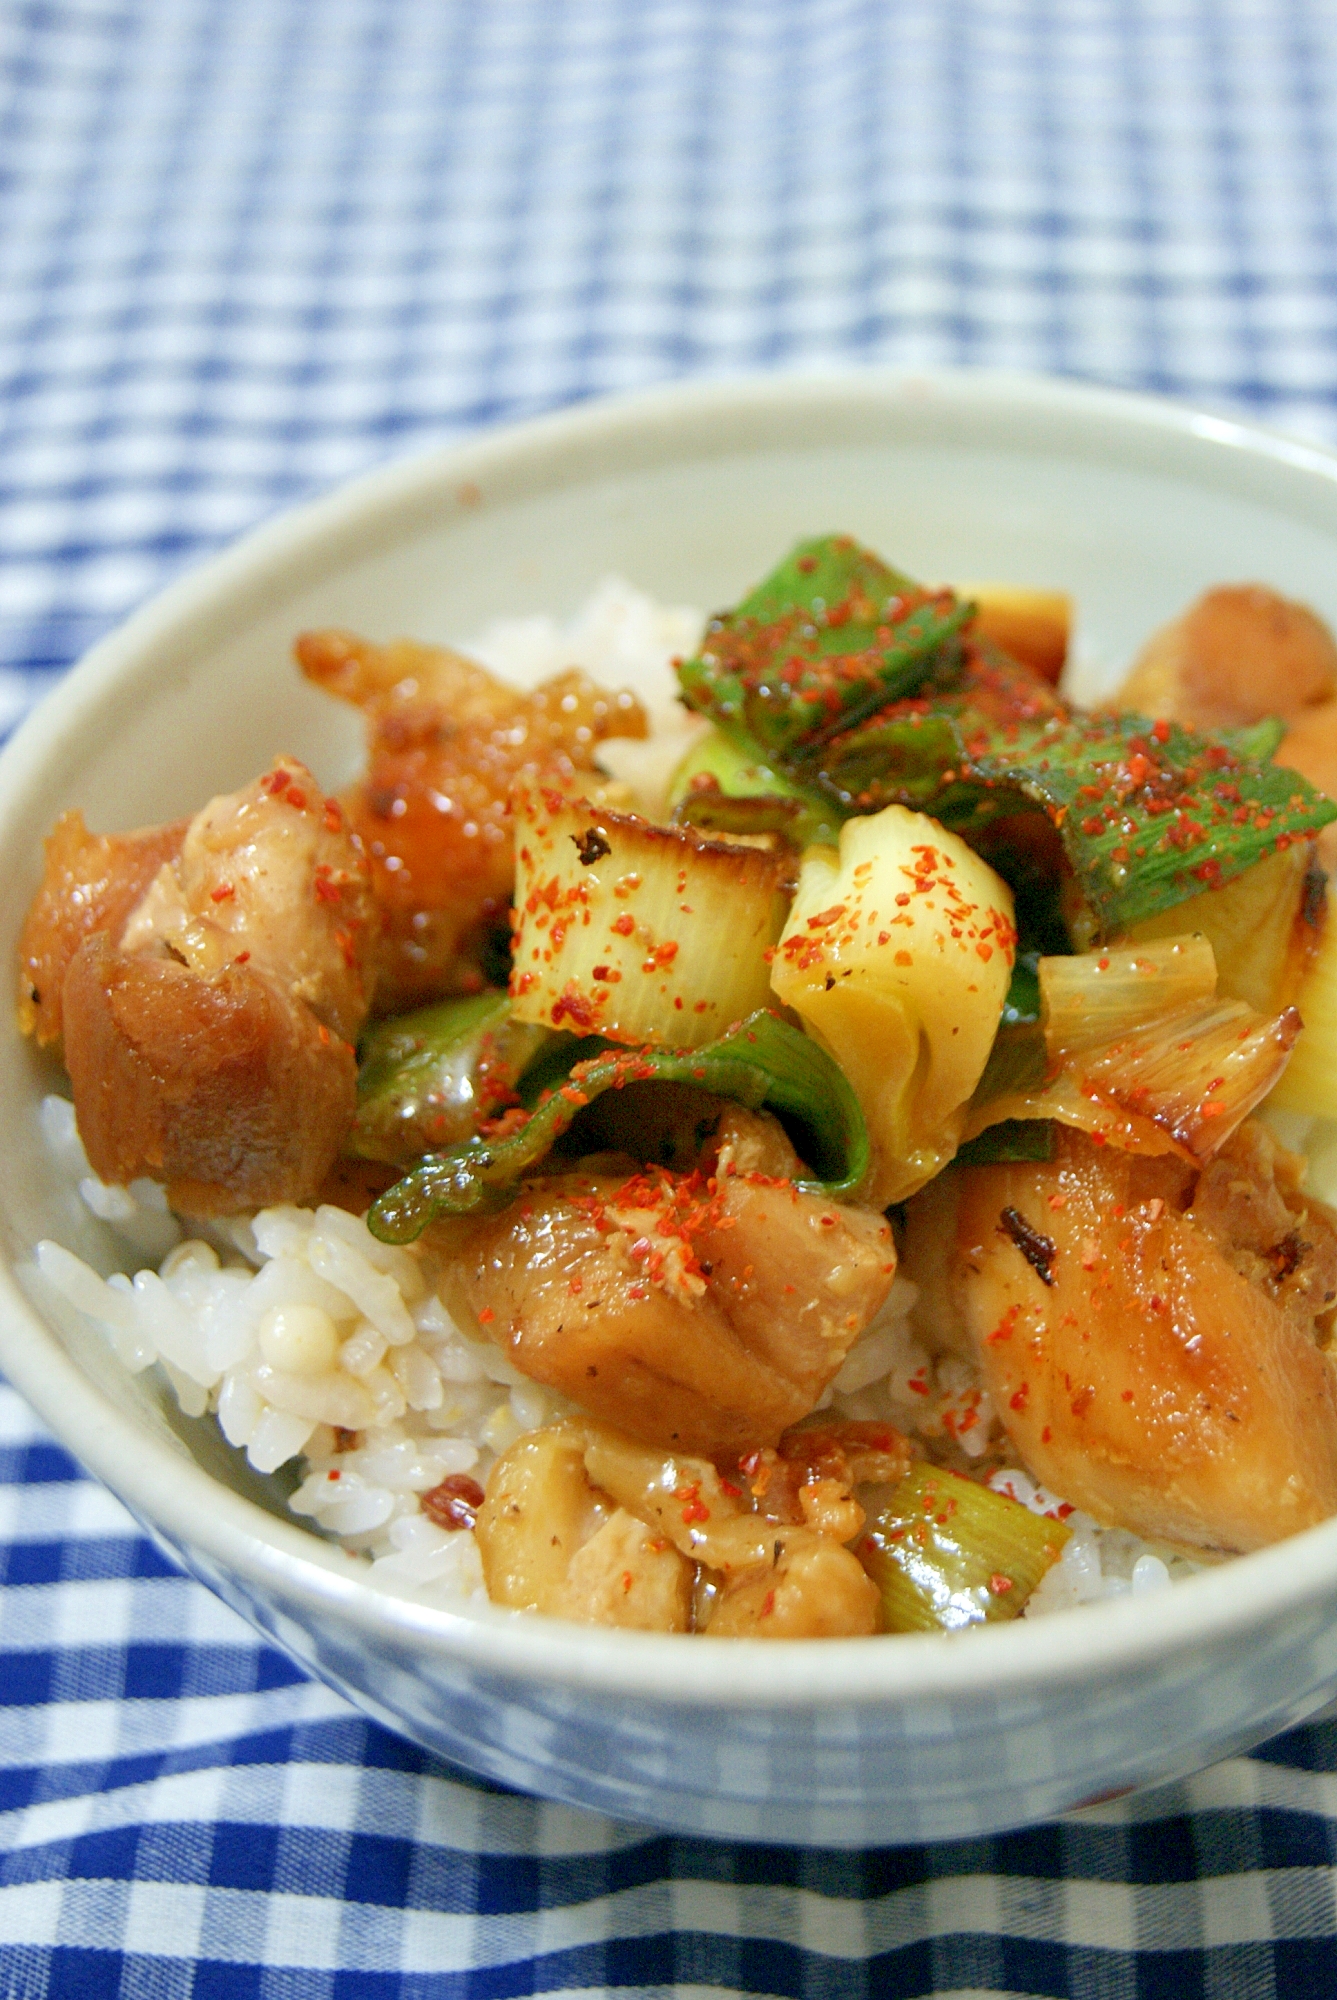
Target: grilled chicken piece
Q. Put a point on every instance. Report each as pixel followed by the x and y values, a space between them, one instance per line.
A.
pixel 583 1522
pixel 706 1312
pixel 772 1580
pixel 1239 653
pixel 551 1542
pixel 269 877
pixel 1149 1335
pixel 812 1588
pixel 222 1087
pixel 447 743
pixel 92 882
pixel 207 1025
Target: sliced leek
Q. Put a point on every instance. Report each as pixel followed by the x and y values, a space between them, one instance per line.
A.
pixel 1137 1050
pixel 946 1552
pixel 1309 1084
pixel 1095 997
pixel 897 955
pixel 1262 927
pixel 721 788
pixel 430 1078
pixel 637 932
pixel 763 1062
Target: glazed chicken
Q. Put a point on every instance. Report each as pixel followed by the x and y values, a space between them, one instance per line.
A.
pixel 583 1522
pixel 705 1311
pixel 91 882
pixel 1151 1335
pixel 207 983
pixel 447 745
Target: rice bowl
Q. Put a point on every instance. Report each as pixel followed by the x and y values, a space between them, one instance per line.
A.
pixel 976 1694
pixel 428 1402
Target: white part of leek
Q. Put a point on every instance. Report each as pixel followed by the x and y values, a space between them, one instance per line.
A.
pixel 639 932
pixel 897 956
pixel 1096 996
pixel 1309 1083
pixel 1143 1055
pixel 1255 924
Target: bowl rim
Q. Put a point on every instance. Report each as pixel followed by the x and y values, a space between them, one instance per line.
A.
pixel 170 1492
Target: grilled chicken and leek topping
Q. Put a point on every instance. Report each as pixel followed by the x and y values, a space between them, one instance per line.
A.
pixel 921 968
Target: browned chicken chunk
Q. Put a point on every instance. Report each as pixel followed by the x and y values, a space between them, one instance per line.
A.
pixel 1239 653
pixel 1150 1335
pixel 551 1541
pixel 207 1024
pixel 583 1522
pixel 223 1088
pixel 269 877
pixel 92 882
pixel 447 744
pixel 707 1312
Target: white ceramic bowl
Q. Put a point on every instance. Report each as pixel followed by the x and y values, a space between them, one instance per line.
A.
pixel 690 493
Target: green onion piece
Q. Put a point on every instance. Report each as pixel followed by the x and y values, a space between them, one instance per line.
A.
pixel 761 1063
pixel 830 636
pixel 1018 1064
pixel 721 789
pixel 1147 817
pixel 1022 1005
pixel 1150 816
pixel 428 1079
pixel 1012 1139
pixel 946 1552
pixel 872 703
pixel 554 1063
pixel 1154 1062
pixel 1257 740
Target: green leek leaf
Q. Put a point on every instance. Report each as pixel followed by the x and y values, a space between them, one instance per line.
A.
pixel 720 788
pixel 761 1063
pixel 1150 816
pixel 1258 740
pixel 1022 1005
pixel 832 635
pixel 429 1078
pixel 1012 1139
pixel 1143 815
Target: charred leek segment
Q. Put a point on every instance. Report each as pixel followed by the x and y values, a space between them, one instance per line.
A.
pixel 637 932
pixel 1263 927
pixel 1137 1050
pixel 430 1078
pixel 946 1552
pixel 761 1063
pixel 830 637
pixel 1193 1077
pixel 897 955
pixel 1309 1084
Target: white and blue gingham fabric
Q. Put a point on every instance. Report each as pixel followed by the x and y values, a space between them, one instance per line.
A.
pixel 250 247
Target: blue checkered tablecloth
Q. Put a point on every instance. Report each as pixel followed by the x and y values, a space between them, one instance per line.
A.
pixel 251 247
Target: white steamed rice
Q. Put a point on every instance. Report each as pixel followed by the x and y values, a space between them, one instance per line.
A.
pixel 294 1325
